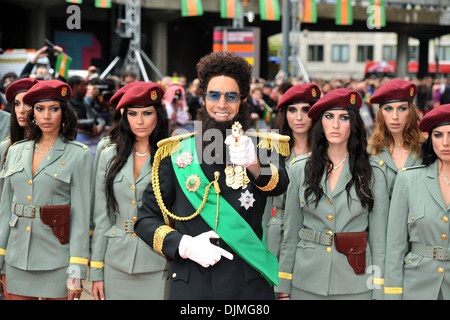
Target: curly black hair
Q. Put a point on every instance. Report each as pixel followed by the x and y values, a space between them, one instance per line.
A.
pixel 224 64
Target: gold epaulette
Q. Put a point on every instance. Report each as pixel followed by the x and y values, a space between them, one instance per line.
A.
pixel 413 167
pixel 271 140
pixel 171 145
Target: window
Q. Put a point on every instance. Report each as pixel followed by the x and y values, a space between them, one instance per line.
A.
pixel 365 53
pixel 444 53
pixel 389 53
pixel 339 53
pixel 413 53
pixel 315 53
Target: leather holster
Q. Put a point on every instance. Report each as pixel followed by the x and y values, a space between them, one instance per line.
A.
pixel 353 245
pixel 58 218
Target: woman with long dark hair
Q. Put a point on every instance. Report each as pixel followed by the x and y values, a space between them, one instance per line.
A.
pixel 417 242
pixel 122 265
pixel 19 113
pixel 336 209
pixel 396 138
pixel 44 215
pixel 292 120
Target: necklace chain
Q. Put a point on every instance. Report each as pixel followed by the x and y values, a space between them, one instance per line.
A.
pixel 141 154
pixel 447 180
pixel 38 148
pixel 340 164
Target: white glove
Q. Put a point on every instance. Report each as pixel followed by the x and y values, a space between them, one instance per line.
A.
pixel 244 153
pixel 201 250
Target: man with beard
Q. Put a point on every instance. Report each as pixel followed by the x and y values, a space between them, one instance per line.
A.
pixel 205 213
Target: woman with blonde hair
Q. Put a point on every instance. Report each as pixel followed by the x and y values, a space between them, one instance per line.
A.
pixel 396 138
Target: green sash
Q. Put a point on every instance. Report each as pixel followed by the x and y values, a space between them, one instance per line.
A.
pixel 232 228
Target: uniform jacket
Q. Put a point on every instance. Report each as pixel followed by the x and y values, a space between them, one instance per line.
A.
pixel 321 269
pixel 63 177
pixel 221 281
pixel 391 168
pixel 274 216
pixel 417 215
pixel 111 243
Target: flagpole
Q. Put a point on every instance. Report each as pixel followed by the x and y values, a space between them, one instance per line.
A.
pixel 285 31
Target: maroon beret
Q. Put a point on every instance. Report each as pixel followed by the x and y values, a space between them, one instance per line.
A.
pixel 48 90
pixel 439 116
pixel 300 93
pixel 336 99
pixel 119 93
pixel 18 86
pixel 141 95
pixel 393 91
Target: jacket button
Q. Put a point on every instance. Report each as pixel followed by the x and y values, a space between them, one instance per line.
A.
pixel 132 187
pixel 330 201
pixel 445 219
pixel 134 219
pixel 29 198
pixel 174 275
pixel 444 236
pixel 328 249
pixel 55 175
pixel 28 229
pixel 30 182
pixel 330 217
pixel 440 270
pixel 133 203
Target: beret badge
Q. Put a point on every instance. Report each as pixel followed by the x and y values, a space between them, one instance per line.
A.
pixel 314 92
pixel 153 95
pixel 411 91
pixel 352 99
pixel 63 91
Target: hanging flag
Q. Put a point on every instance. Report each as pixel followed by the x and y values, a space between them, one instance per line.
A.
pixel 308 13
pixel 268 111
pixel 191 8
pixel 229 9
pixel 75 1
pixel 344 12
pixel 103 3
pixel 62 65
pixel 269 10
pixel 377 14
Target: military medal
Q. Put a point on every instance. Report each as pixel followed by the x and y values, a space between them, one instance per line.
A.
pixel 246 199
pixel 193 183
pixel 184 159
pixel 236 176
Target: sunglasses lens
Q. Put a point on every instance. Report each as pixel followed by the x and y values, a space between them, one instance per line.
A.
pixel 213 96
pixel 232 97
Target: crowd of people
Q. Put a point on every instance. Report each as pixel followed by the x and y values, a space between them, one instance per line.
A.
pixel 287 190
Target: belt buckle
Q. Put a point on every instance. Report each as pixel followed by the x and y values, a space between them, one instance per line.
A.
pixel 434 251
pixel 131 229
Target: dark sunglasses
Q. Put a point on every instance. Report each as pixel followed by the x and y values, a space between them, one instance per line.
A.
pixel 230 96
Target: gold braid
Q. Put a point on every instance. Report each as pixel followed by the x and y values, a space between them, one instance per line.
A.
pixel 157 190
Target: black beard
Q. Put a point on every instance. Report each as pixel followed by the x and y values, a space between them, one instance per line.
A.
pixel 208 122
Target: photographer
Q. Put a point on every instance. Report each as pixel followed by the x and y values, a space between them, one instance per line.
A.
pixel 176 107
pixel 41 72
pixel 90 123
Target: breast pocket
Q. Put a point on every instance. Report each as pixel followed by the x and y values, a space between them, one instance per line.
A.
pixel 60 185
pixel 415 216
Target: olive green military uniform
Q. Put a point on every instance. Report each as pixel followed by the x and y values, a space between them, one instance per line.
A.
pixel 130 268
pixel 392 170
pixel 273 217
pixel 310 265
pixel 35 262
pixel 5 123
pixel 417 258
